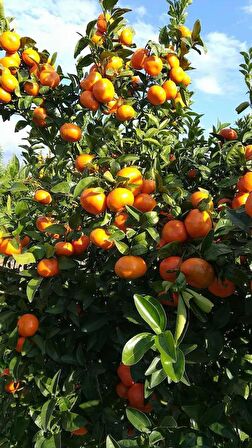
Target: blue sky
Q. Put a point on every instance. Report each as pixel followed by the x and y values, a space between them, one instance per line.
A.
pixel 226 29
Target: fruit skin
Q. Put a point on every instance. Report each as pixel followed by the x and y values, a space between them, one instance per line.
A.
pixel 7 247
pixel 125 375
pixel 135 179
pixel 80 246
pixel 125 113
pixel 222 289
pixel 25 241
pixel 153 65
pixel 64 249
pixel 5 97
pixel 100 238
pixel 82 161
pixel 248 205
pixel 20 343
pixel 199 196
pixel 103 90
pixel 138 58
pixel 89 82
pixel 148 186
pixel 118 198
pixel 170 264
pixel 121 221
pixel 184 31
pixel 97 38
pixel 136 395
pixel 247 181
pixel 48 267
pixel 10 41
pixel 186 80
pixel 228 134
pixel 49 77
pixel 240 199
pixel 30 57
pixel 198 272
pixel 102 22
pixel 80 432
pixel 170 89
pixel 173 60
pixel 122 391
pixel 115 63
pixel 12 387
pixel 144 202
pixel 39 117
pixel 126 37
pixel 27 325
pixel 174 231
pixel 31 88
pixel 8 81
pixel 93 201
pixel 248 152
pixel 42 222
pixel 43 197
pixel 88 100
pixel 198 224
pixel 70 132
pixel 156 95
pixel 130 267
pixel 177 75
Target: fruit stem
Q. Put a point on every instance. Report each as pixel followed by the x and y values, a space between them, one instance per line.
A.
pixel 2 9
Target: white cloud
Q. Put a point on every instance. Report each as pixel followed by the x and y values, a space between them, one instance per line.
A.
pixel 218 70
pixel 248 8
pixel 144 32
pixel 140 11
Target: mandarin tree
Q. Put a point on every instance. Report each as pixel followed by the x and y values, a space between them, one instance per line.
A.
pixel 125 247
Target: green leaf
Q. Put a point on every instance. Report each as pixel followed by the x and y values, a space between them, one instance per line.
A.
pixel 25 258
pixel 138 419
pixel 152 312
pixel 157 378
pixel 89 404
pixel 46 413
pixel 56 228
pixel 109 4
pixel 239 109
pixel 111 442
pixel 136 348
pixel 62 187
pixel 203 303
pixel 174 371
pixel 122 247
pixel 181 319
pixel 166 345
pixel 72 421
pixel 84 183
pixel 21 124
pixel 81 44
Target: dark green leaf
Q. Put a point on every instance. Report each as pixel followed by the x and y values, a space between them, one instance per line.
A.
pixel 152 312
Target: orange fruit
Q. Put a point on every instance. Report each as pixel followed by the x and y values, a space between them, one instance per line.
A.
pixel 173 60
pixel 100 238
pixel 124 374
pixel 134 179
pixel 184 31
pixel 5 97
pixel 199 196
pixel 82 161
pixel 20 343
pixel 156 95
pixel 30 57
pixel 12 387
pixel 228 134
pixel 192 173
pixel 111 106
pixel 144 202
pixel 93 201
pixel 31 88
pixel 10 41
pixel 177 75
pixel 25 241
pixel 10 247
pixel 186 80
pixel 64 249
pixel 170 89
pixel 118 198
pixel 39 117
pixel 103 90
pixel 80 245
pixel 49 78
pixel 42 222
pixel 222 289
pixel 248 205
pixel 178 100
pixel 240 199
pixel 89 82
pixel 148 186
pixel 43 197
pixel 70 132
pixel 130 267
pixel 240 185
pixel 136 395
pixel 27 325
pixel 8 81
pixel 121 221
pixel 138 58
pixel 247 181
pixel 48 267
pixel 115 63
pixel 11 61
pixel 122 391
pixel 102 22
pixel 126 37
pixel 97 38
pixel 198 224
pixel 125 112
pixel 199 273
pixel 174 231
pixel 80 432
pixel 88 100
pixel 170 264
pixel 34 70
pixel 153 65
pixel 248 152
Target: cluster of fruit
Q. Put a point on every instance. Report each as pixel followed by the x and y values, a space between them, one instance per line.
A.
pixel 29 59
pixel 127 389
